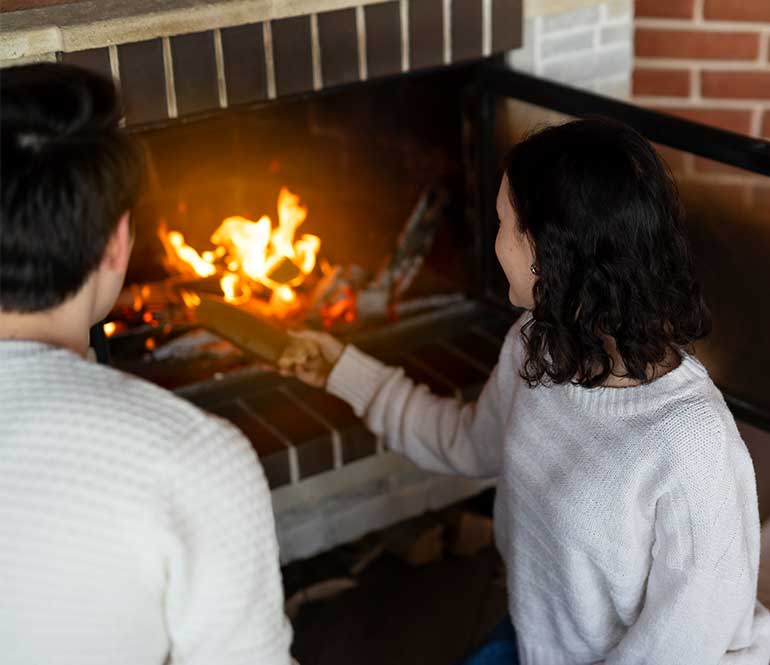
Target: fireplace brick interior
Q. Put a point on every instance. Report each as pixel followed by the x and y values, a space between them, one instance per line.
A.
pixel 359 158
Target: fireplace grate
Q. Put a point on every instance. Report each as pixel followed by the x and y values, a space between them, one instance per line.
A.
pixel 299 432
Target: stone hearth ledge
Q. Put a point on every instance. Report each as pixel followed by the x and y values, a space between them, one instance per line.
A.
pixel 38 34
pixel 364 496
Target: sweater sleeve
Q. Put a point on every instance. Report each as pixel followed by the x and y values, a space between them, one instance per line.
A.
pixel 224 599
pixel 700 602
pixel 438 434
pixel 691 617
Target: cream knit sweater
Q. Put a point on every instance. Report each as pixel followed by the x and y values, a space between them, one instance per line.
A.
pixel 627 518
pixel 132 525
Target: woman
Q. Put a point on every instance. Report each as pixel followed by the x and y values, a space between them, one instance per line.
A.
pixel 626 508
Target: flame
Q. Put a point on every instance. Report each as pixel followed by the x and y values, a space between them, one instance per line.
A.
pixel 191 299
pixel 235 291
pixel 109 328
pixel 189 255
pixel 251 255
pixel 285 294
pixel 247 244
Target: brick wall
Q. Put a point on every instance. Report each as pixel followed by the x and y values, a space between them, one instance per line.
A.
pixel 589 46
pixel 706 60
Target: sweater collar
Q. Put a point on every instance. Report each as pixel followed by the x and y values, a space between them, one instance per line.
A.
pixel 637 398
pixel 11 349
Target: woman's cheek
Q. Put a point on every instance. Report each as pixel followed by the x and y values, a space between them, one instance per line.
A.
pixel 498 246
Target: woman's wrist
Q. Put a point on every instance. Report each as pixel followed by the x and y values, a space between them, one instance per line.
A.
pixel 356 377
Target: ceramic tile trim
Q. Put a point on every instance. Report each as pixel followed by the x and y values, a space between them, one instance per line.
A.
pixel 37 34
pixel 298 54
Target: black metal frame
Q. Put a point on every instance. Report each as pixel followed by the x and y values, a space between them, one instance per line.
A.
pixel 745 152
pixel 498 81
pixel 494 80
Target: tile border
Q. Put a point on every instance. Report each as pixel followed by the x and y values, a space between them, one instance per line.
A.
pixel 299 66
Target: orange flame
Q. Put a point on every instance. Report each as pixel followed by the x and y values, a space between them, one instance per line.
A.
pixel 249 254
pixel 192 300
pixel 189 255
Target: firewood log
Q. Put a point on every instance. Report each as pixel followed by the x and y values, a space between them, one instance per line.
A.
pixel 246 329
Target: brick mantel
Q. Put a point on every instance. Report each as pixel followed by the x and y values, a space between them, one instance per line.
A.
pixel 37 29
pixel 186 57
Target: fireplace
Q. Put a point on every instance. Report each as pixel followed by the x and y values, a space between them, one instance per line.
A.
pixel 377 125
pixel 356 211
pixel 306 168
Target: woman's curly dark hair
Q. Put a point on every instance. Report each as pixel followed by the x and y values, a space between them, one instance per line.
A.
pixel 604 216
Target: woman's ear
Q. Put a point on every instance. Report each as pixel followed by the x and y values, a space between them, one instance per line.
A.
pixel 119 245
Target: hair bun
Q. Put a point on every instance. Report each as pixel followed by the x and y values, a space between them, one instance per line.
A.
pixel 81 103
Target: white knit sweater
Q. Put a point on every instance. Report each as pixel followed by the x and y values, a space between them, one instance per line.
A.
pixel 132 525
pixel 627 518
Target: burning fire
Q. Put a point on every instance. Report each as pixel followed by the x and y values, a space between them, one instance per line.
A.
pixel 251 256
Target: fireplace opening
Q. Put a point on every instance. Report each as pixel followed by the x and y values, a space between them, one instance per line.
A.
pixel 354 211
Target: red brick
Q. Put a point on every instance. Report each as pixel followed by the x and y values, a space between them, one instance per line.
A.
pixel 736 85
pixel 14 5
pixel 703 165
pixel 761 197
pixel 734 120
pixel 665 8
pixel 700 44
pixel 705 195
pixel 666 82
pixel 737 10
pixel 673 157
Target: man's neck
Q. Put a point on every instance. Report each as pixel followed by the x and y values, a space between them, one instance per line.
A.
pixel 65 326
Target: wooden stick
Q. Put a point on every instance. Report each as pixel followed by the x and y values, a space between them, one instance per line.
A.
pixel 246 329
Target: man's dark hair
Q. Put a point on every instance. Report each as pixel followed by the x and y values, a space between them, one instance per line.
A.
pixel 68 174
pixel 607 226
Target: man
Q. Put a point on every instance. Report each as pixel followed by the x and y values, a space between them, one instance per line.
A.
pixel 134 528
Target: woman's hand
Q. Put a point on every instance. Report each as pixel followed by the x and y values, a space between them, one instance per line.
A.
pixel 310 357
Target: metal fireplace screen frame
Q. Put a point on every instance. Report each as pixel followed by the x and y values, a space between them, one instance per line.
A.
pixel 498 82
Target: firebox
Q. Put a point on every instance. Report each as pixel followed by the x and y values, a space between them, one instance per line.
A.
pixel 310 164
pixel 354 211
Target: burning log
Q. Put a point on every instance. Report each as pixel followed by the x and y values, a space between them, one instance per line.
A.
pixel 155 295
pixel 335 296
pixel 413 244
pixel 245 328
pixel 252 257
pixel 324 288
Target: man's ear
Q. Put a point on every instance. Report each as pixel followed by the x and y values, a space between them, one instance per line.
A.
pixel 119 245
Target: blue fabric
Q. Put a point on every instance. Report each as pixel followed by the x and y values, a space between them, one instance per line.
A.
pixel 499 649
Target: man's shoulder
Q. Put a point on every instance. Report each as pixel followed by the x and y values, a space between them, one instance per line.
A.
pixel 131 407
